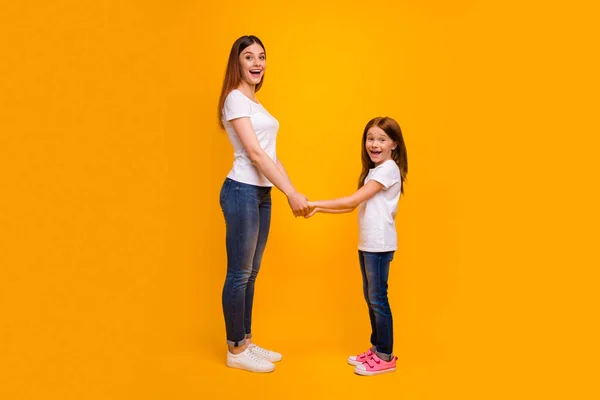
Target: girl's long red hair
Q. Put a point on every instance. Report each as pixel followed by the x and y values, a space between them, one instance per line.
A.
pixel 392 129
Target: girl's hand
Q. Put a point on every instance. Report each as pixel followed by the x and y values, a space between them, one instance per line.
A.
pixel 313 210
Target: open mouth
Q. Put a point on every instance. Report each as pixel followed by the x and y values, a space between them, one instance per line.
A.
pixel 375 153
pixel 255 72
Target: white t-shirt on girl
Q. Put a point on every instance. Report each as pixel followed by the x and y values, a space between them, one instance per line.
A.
pixel 376 215
pixel 265 126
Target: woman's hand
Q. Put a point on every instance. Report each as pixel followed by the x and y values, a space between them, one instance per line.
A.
pixel 299 204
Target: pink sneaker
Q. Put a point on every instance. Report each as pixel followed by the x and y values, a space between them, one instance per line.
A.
pixel 375 366
pixel 361 358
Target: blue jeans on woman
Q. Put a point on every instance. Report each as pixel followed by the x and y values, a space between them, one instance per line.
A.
pixel 375 269
pixel 247 212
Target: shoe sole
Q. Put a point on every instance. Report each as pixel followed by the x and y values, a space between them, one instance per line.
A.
pixel 354 362
pixel 268 359
pixel 250 370
pixel 370 373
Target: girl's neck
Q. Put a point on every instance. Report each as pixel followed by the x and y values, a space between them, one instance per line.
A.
pixel 248 90
pixel 381 162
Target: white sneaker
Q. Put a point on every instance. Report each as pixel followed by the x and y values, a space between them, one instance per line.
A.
pixel 269 355
pixel 249 361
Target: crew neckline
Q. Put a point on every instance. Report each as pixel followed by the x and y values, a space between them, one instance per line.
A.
pixel 242 93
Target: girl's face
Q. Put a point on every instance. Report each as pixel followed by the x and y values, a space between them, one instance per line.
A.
pixel 379 145
pixel 253 64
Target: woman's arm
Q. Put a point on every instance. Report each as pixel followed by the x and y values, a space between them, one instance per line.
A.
pixel 284 172
pixel 261 160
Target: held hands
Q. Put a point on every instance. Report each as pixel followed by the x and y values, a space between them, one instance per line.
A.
pixel 312 210
pixel 301 207
pixel 299 204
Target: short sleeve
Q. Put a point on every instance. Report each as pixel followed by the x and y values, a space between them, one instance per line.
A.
pixel 236 106
pixel 387 174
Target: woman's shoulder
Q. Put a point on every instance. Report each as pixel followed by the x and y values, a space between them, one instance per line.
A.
pixel 235 94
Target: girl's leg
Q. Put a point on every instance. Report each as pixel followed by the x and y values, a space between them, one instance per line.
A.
pixel 361 259
pixel 377 267
pixel 240 208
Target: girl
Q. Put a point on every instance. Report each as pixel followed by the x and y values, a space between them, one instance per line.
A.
pixel 384 170
pixel 246 197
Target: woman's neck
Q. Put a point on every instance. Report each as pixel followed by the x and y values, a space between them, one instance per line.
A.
pixel 247 89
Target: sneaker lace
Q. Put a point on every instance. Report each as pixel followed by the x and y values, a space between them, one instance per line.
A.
pixel 254 356
pixel 260 350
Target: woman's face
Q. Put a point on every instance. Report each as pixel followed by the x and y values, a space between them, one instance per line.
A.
pixel 253 64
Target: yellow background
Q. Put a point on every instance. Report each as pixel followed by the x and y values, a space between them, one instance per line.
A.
pixel 112 240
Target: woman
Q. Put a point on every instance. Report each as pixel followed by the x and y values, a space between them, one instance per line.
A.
pixel 246 197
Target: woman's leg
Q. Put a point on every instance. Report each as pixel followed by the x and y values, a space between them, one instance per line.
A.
pixel 264 211
pixel 240 204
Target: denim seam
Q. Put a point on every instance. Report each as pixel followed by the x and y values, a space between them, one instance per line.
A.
pixel 381 262
pixel 239 253
pixel 380 299
pixel 227 185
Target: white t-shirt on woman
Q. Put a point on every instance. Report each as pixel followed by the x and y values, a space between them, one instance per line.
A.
pixel 265 126
pixel 376 216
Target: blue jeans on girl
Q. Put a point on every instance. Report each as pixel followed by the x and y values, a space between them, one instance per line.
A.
pixel 375 268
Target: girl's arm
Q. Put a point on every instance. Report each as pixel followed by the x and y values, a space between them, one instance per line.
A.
pixel 332 211
pixel 348 203
pixel 326 211
pixel 261 160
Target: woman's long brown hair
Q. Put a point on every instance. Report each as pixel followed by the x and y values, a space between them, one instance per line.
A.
pixel 233 73
pixel 392 129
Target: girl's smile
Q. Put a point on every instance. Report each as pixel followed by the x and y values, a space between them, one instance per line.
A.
pixel 379 145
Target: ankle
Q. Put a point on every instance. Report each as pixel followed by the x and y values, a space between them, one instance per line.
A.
pixel 239 349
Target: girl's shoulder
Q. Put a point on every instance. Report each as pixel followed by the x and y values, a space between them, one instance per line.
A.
pixel 387 173
pixel 388 166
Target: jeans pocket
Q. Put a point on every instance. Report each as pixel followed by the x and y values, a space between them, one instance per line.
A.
pixel 224 191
